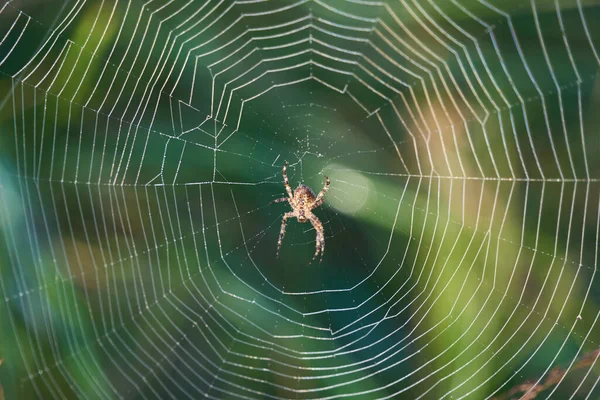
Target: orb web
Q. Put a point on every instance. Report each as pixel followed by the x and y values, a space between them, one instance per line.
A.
pixel 144 142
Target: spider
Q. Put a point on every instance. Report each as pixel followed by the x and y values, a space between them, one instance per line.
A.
pixel 303 201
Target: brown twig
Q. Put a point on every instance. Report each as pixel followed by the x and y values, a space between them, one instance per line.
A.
pixel 530 389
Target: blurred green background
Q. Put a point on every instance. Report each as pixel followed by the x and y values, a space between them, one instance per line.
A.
pixel 141 144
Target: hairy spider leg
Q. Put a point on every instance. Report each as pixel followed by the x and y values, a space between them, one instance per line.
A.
pixel 320 242
pixel 281 200
pixel 282 231
pixel 321 196
pixel 287 182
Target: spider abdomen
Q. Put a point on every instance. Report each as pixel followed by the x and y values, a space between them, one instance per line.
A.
pixel 305 194
pixel 304 198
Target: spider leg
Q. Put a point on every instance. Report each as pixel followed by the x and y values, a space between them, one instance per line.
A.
pixel 320 242
pixel 281 200
pixel 317 203
pixel 321 196
pixel 286 181
pixel 282 230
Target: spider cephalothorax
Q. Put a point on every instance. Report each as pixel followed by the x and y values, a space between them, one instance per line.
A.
pixel 303 201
